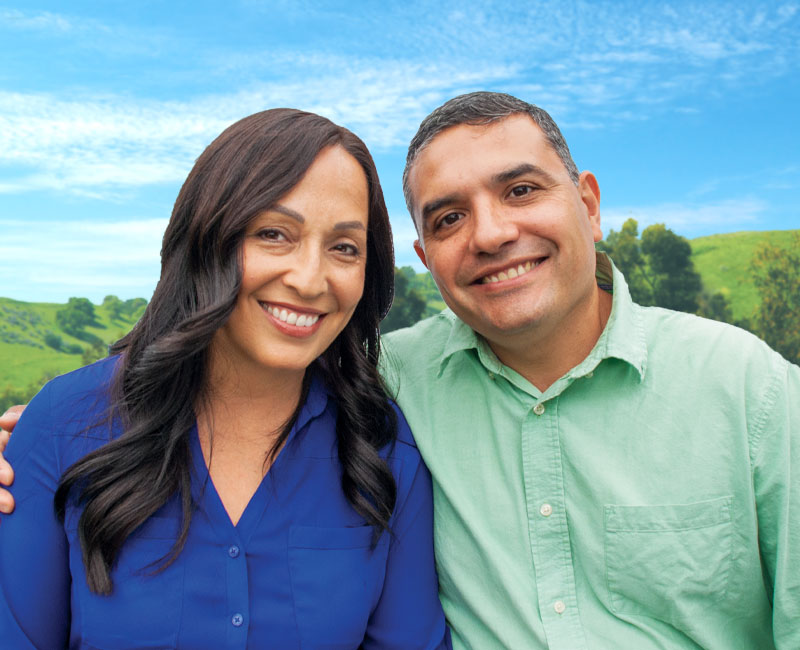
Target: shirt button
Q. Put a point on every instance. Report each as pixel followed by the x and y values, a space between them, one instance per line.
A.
pixel 559 606
pixel 237 620
pixel 233 551
pixel 539 408
pixel 546 510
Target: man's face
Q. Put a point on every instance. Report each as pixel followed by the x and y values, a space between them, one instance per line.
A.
pixel 504 231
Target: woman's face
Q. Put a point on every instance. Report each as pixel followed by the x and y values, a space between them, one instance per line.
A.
pixel 303 270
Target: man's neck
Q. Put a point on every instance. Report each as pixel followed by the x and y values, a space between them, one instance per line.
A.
pixel 543 357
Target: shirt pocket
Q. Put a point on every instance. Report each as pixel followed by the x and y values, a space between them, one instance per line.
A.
pixel 144 609
pixel 668 562
pixel 336 581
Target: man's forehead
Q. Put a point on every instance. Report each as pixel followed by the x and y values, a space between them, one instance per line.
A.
pixel 466 153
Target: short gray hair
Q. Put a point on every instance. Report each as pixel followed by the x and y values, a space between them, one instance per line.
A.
pixel 483 108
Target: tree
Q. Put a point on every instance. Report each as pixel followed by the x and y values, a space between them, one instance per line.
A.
pixel 675 282
pixel 76 316
pixel 658 267
pixel 114 306
pixel 625 249
pixel 776 274
pixel 408 306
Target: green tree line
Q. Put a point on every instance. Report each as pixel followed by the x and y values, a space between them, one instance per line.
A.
pixel 659 271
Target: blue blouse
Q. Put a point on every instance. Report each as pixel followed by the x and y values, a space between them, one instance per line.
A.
pixel 297 570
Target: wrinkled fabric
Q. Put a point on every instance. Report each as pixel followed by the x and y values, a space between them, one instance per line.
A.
pixel 296 571
pixel 648 499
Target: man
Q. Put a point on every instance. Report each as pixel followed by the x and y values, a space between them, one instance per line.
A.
pixel 605 475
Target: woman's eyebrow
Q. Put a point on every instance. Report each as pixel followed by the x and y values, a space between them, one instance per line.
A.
pixel 349 225
pixel 289 212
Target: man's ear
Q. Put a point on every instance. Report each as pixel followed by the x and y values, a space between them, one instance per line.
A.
pixel 420 252
pixel 590 195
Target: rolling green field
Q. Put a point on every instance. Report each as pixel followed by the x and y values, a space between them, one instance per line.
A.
pixel 25 357
pixel 723 262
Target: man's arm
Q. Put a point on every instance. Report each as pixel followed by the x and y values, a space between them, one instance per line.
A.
pixel 7 423
pixel 777 492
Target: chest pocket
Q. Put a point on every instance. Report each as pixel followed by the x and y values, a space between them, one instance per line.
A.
pixel 659 559
pixel 336 581
pixel 144 609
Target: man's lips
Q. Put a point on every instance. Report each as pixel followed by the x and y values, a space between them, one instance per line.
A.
pixel 510 272
pixel 292 315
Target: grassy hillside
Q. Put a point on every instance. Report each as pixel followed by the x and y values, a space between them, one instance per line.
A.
pixel 25 356
pixel 723 262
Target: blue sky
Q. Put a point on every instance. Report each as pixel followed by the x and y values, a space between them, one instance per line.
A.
pixel 685 111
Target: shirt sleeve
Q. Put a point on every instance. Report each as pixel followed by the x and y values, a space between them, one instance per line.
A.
pixel 777 489
pixel 34 564
pixel 408 614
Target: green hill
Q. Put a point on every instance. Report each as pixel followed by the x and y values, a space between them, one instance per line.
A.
pixel 723 262
pixel 33 345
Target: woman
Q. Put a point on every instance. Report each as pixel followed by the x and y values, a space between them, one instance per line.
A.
pixel 234 475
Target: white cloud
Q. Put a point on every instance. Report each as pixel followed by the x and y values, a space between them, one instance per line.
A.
pixel 689 218
pixel 92 258
pixel 40 21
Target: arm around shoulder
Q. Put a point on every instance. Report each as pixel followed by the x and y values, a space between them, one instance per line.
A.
pixel 34 569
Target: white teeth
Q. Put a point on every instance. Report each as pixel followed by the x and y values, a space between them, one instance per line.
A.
pixel 292 318
pixel 510 273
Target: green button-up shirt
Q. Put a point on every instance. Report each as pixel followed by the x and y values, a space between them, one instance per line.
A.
pixel 644 500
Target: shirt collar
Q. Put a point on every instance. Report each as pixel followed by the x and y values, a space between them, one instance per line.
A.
pixel 316 401
pixel 622 338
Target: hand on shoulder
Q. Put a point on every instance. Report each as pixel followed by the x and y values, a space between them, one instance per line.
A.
pixel 7 423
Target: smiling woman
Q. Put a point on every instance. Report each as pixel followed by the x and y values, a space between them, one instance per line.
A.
pixel 236 461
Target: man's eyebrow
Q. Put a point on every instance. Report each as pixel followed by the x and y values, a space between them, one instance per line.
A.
pixel 437 204
pixel 520 170
pixel 289 212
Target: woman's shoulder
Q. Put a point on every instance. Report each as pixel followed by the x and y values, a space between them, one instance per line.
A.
pixel 71 404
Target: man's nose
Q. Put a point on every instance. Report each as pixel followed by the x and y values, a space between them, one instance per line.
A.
pixel 492 229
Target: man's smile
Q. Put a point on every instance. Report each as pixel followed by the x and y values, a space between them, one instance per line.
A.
pixel 511 272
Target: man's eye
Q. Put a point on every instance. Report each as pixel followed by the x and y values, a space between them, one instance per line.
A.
pixel 521 190
pixel 449 219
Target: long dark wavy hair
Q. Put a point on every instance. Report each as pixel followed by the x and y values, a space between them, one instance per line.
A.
pixel 162 370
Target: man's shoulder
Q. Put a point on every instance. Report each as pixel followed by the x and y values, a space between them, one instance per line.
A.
pixel 416 351
pixel 721 344
pixel 437 326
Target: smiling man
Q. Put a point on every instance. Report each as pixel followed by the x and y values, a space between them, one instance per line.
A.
pixel 605 475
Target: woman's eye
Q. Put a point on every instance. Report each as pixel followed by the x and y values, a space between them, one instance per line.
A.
pixel 347 249
pixel 270 234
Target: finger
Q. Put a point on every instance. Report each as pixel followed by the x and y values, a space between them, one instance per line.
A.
pixel 6 474
pixel 6 502
pixel 4 436
pixel 9 419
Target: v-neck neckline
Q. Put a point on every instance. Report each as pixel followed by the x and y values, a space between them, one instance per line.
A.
pixel 205 494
